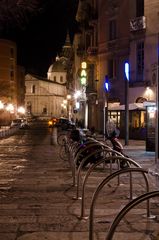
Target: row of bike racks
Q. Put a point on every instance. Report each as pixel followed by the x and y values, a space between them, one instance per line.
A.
pixel 111 157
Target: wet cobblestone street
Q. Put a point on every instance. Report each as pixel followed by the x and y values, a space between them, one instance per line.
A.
pixel 36 194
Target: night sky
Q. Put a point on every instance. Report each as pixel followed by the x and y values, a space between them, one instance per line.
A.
pixel 39 28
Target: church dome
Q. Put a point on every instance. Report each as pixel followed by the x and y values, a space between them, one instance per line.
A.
pixel 57 72
pixel 57 66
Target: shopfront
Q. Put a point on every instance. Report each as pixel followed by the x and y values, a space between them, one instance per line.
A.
pixel 150 126
pixel 137 120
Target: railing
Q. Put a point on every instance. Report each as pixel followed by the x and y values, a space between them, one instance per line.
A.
pixel 8 132
pixel 138 23
pixel 111 157
pixel 103 183
pixel 105 151
pixel 127 208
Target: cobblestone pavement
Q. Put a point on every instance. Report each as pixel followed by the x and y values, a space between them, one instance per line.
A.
pixel 36 201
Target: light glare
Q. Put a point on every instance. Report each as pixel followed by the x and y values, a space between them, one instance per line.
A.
pixel 127 70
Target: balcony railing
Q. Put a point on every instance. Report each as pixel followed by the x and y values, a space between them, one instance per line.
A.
pixel 137 24
pixel 92 51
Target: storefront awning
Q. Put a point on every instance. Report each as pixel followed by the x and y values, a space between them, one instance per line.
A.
pixel 132 106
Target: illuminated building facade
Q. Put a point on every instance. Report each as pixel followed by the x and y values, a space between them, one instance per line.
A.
pixel 12 81
pixel 8 71
pixel 114 32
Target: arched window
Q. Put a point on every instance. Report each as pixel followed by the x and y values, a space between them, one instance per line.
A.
pixel 44 110
pixel 54 78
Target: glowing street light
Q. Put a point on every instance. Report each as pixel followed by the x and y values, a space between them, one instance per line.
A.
pixel 105 109
pixel 64 101
pixel 77 94
pixel 10 108
pixel 127 71
pixel 77 105
pixel 21 110
pixel 68 97
pixel 1 105
pixel 106 83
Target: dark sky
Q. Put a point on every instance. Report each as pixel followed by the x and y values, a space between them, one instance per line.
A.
pixel 39 28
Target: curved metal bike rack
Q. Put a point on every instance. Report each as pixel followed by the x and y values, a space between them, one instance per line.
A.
pixel 127 208
pixel 119 158
pixel 75 149
pixel 106 150
pixel 72 146
pixel 103 183
pixel 92 144
pixel 88 142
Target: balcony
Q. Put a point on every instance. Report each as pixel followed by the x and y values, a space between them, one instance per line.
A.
pixel 92 51
pixel 138 24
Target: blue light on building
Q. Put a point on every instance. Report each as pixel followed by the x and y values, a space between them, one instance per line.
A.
pixel 106 84
pixel 126 68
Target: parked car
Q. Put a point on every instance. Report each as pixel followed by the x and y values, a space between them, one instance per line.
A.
pixel 24 124
pixel 64 123
pixel 16 122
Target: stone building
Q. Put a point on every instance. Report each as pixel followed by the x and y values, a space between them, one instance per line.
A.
pixel 8 71
pixel 12 81
pixel 44 96
pixel 113 33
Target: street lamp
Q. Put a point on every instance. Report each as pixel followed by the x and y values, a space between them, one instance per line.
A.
pixel 68 106
pixel 21 110
pixel 105 109
pixel 10 108
pixel 77 94
pixel 126 69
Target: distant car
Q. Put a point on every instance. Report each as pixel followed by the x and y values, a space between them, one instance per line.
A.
pixel 24 124
pixel 65 123
pixel 16 122
pixel 52 122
